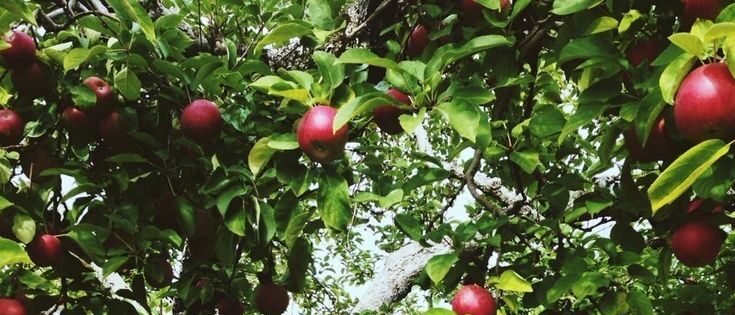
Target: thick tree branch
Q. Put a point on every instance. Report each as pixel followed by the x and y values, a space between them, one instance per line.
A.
pixel 469 177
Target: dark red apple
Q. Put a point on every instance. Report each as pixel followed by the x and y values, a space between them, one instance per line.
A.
pixel 316 137
pixel 700 9
pixel 271 299
pixel 33 80
pixel 697 243
pixel 79 122
pixel 386 116
pixel 36 160
pixel 229 306
pixel 22 50
pixel 646 50
pixel 45 250
pixel 200 243
pixel 158 272
pixel 659 146
pixel 11 307
pixel 418 40
pixel 473 300
pixel 704 107
pixel 112 128
pixel 201 121
pixel 11 127
pixel 471 9
pixel 705 207
pixel 105 95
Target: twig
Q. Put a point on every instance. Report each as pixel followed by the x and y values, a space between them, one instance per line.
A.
pixel 469 177
pixel 364 24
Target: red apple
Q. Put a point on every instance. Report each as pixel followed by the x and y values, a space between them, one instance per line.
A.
pixel 45 250
pixel 11 307
pixel 646 50
pixel 418 40
pixel 201 121
pixel 697 243
pixel 386 116
pixel 229 306
pixel 702 9
pixel 22 50
pixel 471 9
pixel 158 272
pixel 78 122
pixel 200 243
pixel 704 107
pixel 703 206
pixel 105 96
pixel 11 127
pixel 473 300
pixel 316 136
pixel 271 299
pixel 659 146
pixel 112 128
pixel 33 80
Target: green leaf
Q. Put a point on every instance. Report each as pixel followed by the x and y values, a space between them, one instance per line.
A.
pixel 259 155
pixel 12 253
pixel 225 198
pixel 589 283
pixel 509 280
pixel 332 73
pixel 128 84
pixel 689 42
pixel 19 8
pixel 601 24
pixel 680 175
pixel 333 200
pixel 438 266
pixel 24 228
pixel 284 142
pixel 113 264
pixel 359 105
pixel 409 226
pixel 409 122
pixel 439 311
pixel 365 56
pixel 132 11
pixel 291 218
pixel 639 303
pixel 586 112
pixel 78 56
pixel 628 19
pixel 719 30
pixel 424 176
pixel 283 33
pixel 566 7
pixel 528 161
pixel 5 203
pixel 673 75
pixel 463 116
pixel 649 110
pixel 449 54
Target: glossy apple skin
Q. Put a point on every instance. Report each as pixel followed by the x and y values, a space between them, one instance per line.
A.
pixel 271 299
pixel 79 122
pixel 418 40
pixel 103 91
pixel 702 9
pixel 229 306
pixel 22 51
pixel 201 121
pixel 45 250
pixel 697 243
pixel 704 107
pixel 316 137
pixel 11 127
pixel 158 272
pixel 34 80
pixel 659 146
pixel 646 50
pixel 386 116
pixel 12 307
pixel 473 300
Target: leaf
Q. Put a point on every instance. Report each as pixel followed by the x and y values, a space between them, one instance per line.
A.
pixel 19 8
pixel 332 73
pixel 359 105
pixel 628 19
pixel 680 175
pixel 409 122
pixel 128 84
pixel 24 228
pixel 409 226
pixel 78 56
pixel 673 75
pixel 601 24
pixel 291 218
pixel 284 33
pixel 424 176
pixel 528 161
pixel 463 116
pixel 689 42
pixel 284 142
pixel 259 155
pixel 333 200
pixel 509 280
pixel 449 54
pixel 586 112
pixel 439 311
pixel 365 56
pixel 113 264
pixel 589 283
pixel 12 253
pixel 4 203
pixel 566 7
pixel 639 303
pixel 133 11
pixel 719 30
pixel 438 266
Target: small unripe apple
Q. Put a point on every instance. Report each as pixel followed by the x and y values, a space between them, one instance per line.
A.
pixel 229 306
pixel 702 9
pixel 418 40
pixel 11 127
pixel 45 250
pixel 271 299
pixel 704 107
pixel 697 243
pixel 11 307
pixel 79 122
pixel 659 146
pixel 646 50
pixel 316 137
pixel 22 50
pixel 201 121
pixel 33 80
pixel 386 116
pixel 473 300
pixel 105 95
pixel 158 272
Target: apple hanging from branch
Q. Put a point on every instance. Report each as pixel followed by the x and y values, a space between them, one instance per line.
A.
pixel 316 137
pixel 704 107
pixel 474 300
pixel 11 127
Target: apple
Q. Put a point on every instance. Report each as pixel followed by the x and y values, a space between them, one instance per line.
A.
pixel 112 128
pixel 34 80
pixel 700 9
pixel 11 307
pixel 229 306
pixel 36 160
pixel 646 50
pixel 697 243
pixel 473 300
pixel 11 127
pixel 418 40
pixel 704 206
pixel 316 137
pixel 473 10
pixel 105 96
pixel 386 116
pixel 201 121
pixel 79 122
pixel 659 146
pixel 45 250
pixel 22 50
pixel 158 272
pixel 271 299
pixel 704 107
pixel 200 243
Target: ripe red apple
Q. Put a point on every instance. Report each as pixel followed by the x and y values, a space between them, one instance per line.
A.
pixel 22 50
pixel 697 243
pixel 112 128
pixel 33 80
pixel 418 40
pixel 386 116
pixel 704 107
pixel 702 9
pixel 271 299
pixel 229 306
pixel 11 307
pixel 659 146
pixel 105 96
pixel 644 50
pixel 45 250
pixel 79 122
pixel 316 136
pixel 158 272
pixel 201 121
pixel 473 300
pixel 11 127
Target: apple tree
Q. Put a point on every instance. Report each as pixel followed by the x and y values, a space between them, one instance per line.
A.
pixel 429 157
